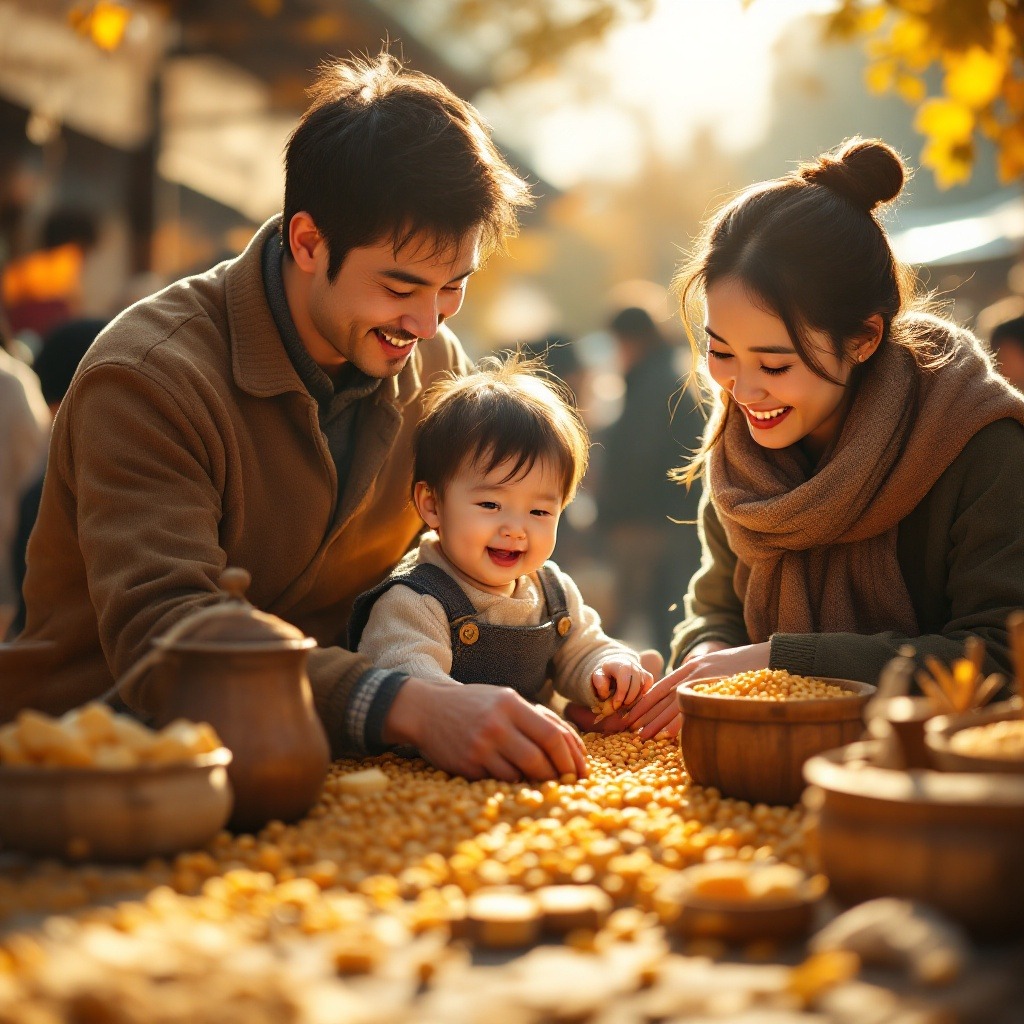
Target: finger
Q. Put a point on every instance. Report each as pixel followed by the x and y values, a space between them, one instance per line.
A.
pixel 543 733
pixel 651 699
pixel 580 766
pixel 667 722
pixel 499 767
pixel 632 691
pixel 667 702
pixel 601 683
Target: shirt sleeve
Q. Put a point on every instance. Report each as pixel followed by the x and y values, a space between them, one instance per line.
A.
pixel 714 610
pixel 408 632
pixel 585 647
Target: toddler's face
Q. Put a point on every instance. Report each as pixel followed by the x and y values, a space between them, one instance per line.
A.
pixel 494 530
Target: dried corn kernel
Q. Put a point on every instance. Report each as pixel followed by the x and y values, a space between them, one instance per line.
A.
pixel 771 684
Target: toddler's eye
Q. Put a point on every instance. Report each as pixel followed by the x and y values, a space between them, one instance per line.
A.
pixel 539 512
pixel 489 505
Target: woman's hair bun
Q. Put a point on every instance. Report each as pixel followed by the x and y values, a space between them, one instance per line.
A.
pixel 867 172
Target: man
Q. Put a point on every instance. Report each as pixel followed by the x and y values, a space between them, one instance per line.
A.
pixel 260 415
pixel 1008 347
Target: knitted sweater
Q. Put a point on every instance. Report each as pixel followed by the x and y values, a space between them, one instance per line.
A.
pixel 412 634
pixel 961 554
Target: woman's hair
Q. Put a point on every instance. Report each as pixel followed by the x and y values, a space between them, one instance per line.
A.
pixel 808 248
pixel 384 153
pixel 507 410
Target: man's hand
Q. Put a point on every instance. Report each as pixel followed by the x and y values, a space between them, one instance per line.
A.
pixel 620 680
pixel 480 731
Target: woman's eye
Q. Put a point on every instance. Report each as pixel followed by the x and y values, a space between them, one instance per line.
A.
pixel 712 354
pixel 774 371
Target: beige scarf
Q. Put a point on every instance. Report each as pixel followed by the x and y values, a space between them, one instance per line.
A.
pixel 817 546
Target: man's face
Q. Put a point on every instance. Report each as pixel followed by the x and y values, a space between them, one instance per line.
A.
pixel 382 303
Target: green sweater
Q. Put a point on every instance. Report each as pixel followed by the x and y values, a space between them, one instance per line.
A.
pixel 961 553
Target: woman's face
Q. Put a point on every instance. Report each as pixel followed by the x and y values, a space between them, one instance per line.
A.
pixel 751 356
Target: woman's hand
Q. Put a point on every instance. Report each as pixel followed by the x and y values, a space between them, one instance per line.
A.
pixel 657 712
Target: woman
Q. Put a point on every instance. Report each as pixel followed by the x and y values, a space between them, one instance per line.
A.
pixel 862 460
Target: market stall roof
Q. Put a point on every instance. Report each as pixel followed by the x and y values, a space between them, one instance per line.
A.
pixel 984 229
pixel 224 82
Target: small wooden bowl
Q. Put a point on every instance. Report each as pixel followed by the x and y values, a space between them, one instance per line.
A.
pixel 955 841
pixel 780 918
pixel 755 749
pixel 939 733
pixel 114 815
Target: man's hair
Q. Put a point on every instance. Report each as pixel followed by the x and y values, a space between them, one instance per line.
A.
pixel 508 411
pixel 387 153
pixel 1008 330
pixel 62 351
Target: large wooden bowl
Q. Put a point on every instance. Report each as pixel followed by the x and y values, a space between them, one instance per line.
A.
pixel 939 733
pixel 114 815
pixel 755 749
pixel 953 840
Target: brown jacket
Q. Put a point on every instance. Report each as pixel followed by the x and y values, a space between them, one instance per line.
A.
pixel 187 443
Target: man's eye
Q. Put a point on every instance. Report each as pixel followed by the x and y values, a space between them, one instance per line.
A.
pixel 397 295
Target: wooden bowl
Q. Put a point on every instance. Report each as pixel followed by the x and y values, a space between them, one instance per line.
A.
pixel 954 840
pixel 697 916
pixel 939 733
pixel 755 749
pixel 114 815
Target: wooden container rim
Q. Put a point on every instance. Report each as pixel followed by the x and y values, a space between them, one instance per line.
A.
pixel 831 772
pixel 13 773
pixel 940 730
pixel 747 709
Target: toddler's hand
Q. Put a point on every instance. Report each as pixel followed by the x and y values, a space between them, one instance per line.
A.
pixel 620 682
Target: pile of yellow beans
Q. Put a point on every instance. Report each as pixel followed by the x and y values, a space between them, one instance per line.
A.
pixel 1003 740
pixel 772 684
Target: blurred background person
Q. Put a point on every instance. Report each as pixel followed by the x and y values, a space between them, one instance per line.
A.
pixel 24 434
pixel 647 521
pixel 1007 343
pixel 54 367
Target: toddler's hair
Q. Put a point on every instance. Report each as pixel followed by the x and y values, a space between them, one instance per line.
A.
pixel 507 410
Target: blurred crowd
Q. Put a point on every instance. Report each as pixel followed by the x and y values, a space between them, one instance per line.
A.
pixel 631 539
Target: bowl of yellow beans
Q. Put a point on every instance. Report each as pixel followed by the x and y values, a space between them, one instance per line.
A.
pixel 749 734
pixel 100 786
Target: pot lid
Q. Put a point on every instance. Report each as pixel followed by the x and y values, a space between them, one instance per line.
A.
pixel 233 620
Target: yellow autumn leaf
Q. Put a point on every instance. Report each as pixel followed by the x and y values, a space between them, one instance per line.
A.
pixel 944 119
pixel 974 78
pixel 951 163
pixel 870 19
pixel 1010 154
pixel 909 36
pixel 880 76
pixel 911 88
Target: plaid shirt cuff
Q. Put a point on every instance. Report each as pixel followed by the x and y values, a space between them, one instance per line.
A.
pixel 368 706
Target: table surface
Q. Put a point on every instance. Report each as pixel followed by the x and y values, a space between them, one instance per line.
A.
pixel 346 915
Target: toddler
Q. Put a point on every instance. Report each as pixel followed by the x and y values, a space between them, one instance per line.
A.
pixel 498 456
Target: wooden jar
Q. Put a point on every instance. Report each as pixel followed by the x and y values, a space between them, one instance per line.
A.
pixel 953 840
pixel 755 749
pixel 244 672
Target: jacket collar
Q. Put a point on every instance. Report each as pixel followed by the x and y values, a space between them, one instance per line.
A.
pixel 260 363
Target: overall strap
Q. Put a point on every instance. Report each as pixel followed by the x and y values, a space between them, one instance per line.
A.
pixel 554 596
